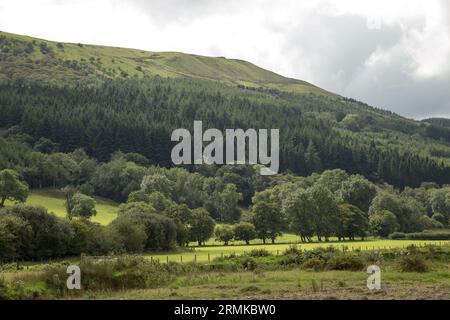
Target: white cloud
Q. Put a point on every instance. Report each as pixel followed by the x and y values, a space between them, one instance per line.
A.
pixel 358 48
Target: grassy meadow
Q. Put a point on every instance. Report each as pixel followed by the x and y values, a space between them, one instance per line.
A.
pixel 54 201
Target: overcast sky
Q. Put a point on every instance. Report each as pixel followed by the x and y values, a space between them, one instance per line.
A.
pixel 393 54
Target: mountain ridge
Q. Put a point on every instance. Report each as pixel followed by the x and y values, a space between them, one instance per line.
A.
pixel 61 62
pixel 105 99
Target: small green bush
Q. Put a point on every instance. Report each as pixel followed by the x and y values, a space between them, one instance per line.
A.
pixel 346 262
pixel 249 264
pixel 259 253
pixel 292 250
pixel 397 235
pixel 315 263
pixel 424 235
pixel 413 263
pixel 127 272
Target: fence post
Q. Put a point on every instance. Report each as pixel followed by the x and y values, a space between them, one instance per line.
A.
pixel 167 259
pixel 181 259
pixel 209 258
pixel 195 258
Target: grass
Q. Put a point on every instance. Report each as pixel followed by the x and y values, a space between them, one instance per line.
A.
pixel 294 284
pixel 228 278
pixel 203 254
pixel 54 201
pixel 111 62
pixel 285 238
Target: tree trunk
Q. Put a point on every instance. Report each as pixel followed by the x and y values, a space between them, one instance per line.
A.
pixel 2 203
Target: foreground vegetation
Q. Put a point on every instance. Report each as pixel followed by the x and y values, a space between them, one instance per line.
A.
pixel 325 273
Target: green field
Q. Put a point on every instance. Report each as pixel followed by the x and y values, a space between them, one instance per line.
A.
pixel 203 254
pixel 54 201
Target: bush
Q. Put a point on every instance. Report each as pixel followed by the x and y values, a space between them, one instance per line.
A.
pixel 346 262
pixel 126 272
pixel 259 253
pixel 292 250
pixel 315 263
pixel 249 264
pixel 397 235
pixel 413 263
pixel 424 235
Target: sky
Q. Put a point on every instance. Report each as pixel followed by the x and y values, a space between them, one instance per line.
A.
pixel 391 54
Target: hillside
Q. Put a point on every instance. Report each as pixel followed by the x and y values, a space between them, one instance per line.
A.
pixel 105 99
pixel 444 122
pixel 54 201
pixel 31 59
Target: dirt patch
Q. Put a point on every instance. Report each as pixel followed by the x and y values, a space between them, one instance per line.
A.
pixel 388 292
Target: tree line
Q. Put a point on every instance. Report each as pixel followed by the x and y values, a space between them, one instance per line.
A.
pixel 138 116
pixel 173 207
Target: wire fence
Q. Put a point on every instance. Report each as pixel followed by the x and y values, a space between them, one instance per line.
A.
pixel 205 256
pixel 202 255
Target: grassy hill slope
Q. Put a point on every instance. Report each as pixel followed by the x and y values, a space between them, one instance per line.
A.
pixel 53 200
pixel 31 59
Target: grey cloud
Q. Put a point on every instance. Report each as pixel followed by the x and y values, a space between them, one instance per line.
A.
pixel 337 49
pixel 175 12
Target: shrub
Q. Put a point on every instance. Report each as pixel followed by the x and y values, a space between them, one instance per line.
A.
pixel 314 263
pixel 292 250
pixel 259 253
pixel 346 262
pixel 126 272
pixel 397 235
pixel 292 259
pixel 424 235
pixel 249 264
pixel 413 263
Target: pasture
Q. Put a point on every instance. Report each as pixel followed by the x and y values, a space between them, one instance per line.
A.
pixel 54 201
pixel 208 253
